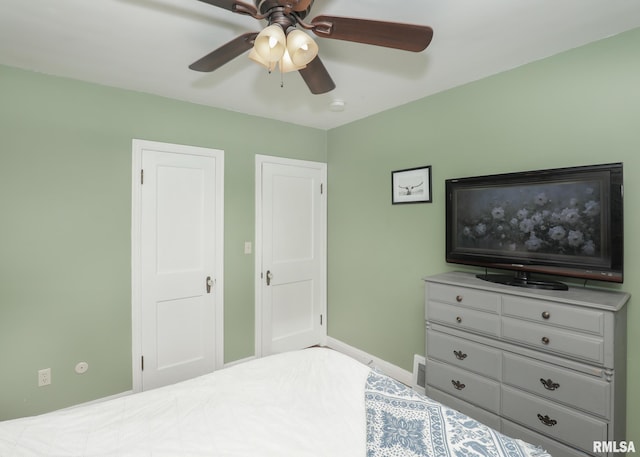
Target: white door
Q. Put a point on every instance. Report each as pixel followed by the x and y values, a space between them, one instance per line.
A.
pixel 180 262
pixel 290 254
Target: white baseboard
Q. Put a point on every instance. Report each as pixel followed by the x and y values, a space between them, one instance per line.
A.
pixel 400 374
pixel 239 361
pixel 100 400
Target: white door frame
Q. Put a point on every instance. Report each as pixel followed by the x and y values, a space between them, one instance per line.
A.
pixel 260 160
pixel 136 259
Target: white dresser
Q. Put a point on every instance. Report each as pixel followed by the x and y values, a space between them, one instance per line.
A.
pixel 548 367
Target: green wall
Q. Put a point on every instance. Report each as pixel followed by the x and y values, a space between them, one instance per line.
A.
pixel 65 227
pixel 65 201
pixel 581 107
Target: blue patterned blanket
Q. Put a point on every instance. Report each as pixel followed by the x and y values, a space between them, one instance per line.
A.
pixel 403 423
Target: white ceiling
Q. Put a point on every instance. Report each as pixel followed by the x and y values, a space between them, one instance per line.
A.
pixel 147 45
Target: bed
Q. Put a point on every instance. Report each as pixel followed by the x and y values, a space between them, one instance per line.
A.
pixel 309 403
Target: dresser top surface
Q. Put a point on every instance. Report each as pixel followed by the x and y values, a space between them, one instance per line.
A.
pixel 583 296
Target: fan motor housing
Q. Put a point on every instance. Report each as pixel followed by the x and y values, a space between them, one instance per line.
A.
pixel 264 6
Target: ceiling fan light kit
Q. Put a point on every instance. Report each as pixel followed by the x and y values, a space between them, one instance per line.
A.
pixel 287 65
pixel 270 44
pixel 292 52
pixel 282 43
pixel 302 49
pixel 253 55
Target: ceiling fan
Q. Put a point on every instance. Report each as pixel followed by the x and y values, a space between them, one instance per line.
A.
pixel 283 44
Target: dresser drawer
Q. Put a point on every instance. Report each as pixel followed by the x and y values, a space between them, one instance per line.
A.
pixel 540 336
pixel 559 422
pixel 471 298
pixel 459 317
pixel 479 414
pixel 464 354
pixel 552 447
pixel 463 384
pixel 579 319
pixel 558 384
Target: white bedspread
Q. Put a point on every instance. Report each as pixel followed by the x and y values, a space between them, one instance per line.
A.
pixel 305 403
pixel 308 403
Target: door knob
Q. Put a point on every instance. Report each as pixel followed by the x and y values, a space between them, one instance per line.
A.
pixel 209 284
pixel 269 277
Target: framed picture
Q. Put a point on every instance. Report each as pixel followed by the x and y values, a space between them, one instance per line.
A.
pixel 411 186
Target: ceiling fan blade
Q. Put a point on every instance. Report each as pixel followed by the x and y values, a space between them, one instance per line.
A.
pixel 317 77
pixel 225 53
pixel 408 37
pixel 235 6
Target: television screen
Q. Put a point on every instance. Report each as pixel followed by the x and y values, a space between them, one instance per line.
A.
pixel 564 222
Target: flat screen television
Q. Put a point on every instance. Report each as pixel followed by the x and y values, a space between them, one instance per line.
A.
pixel 564 221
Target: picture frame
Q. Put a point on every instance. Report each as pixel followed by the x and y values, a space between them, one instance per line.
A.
pixel 412 185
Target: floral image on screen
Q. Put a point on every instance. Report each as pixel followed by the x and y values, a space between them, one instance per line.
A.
pixel 560 218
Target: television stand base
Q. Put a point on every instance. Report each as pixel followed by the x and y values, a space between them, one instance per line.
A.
pixel 522 281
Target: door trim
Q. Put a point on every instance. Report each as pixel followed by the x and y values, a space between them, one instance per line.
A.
pixel 136 259
pixel 258 242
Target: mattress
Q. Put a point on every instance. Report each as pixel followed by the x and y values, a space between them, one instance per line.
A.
pixel 314 402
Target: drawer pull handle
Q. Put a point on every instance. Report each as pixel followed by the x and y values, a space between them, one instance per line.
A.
pixel 545 340
pixel 458 319
pixel 546 420
pixel 460 355
pixel 549 384
pixel 459 298
pixel 458 385
pixel 546 314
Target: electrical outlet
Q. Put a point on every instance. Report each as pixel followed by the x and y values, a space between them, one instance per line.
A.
pixel 44 377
